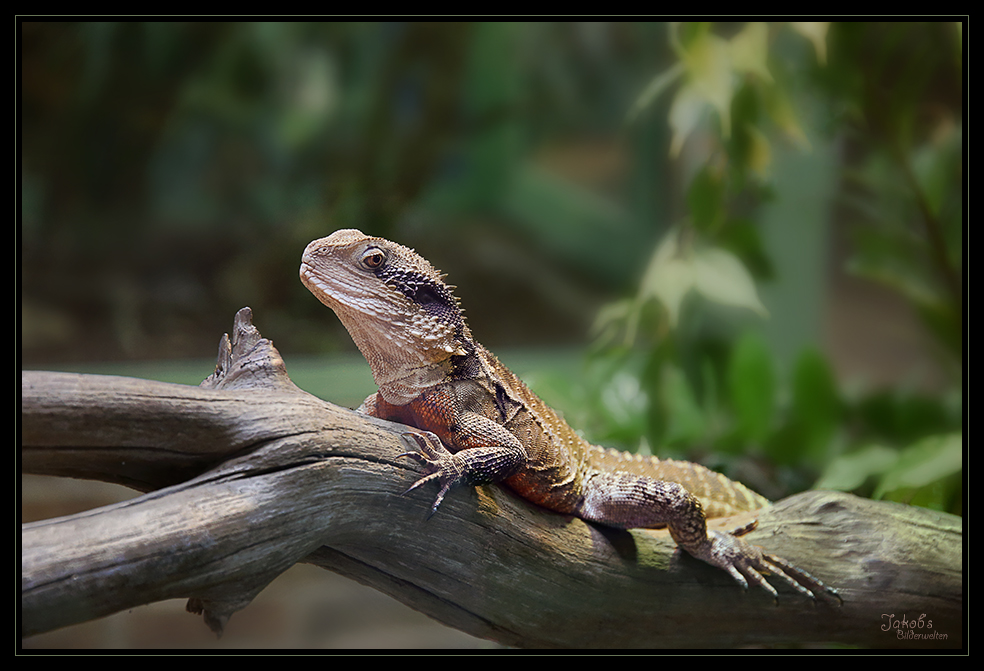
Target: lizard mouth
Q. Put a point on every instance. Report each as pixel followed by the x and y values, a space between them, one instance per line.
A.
pixel 313 280
pixel 308 274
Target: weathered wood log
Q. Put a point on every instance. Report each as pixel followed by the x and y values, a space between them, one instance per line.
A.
pixel 248 475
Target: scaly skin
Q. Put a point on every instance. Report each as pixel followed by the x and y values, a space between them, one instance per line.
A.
pixel 480 424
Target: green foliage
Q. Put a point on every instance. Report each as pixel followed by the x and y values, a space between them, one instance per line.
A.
pixel 904 183
pixel 751 382
pixel 907 185
pixel 816 410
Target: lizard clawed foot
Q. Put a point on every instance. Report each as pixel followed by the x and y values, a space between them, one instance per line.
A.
pixel 441 464
pixel 744 562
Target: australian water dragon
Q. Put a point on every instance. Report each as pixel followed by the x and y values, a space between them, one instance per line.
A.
pixel 483 425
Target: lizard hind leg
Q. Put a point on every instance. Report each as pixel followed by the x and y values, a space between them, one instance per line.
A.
pixel 626 500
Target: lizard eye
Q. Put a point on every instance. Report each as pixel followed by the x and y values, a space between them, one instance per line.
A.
pixel 373 258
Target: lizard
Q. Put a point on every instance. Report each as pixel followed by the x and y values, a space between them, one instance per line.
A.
pixel 477 423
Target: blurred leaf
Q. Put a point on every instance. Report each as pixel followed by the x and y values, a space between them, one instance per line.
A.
pixel 668 278
pixel 946 322
pixel 714 67
pixel 816 32
pixel 848 472
pixel 709 70
pixel 613 317
pixel 911 239
pixel 684 420
pixel 715 273
pixel 932 458
pixel 780 110
pixel 816 404
pixel 937 165
pixel 705 200
pixel 760 152
pixel 707 60
pixel 685 113
pixel 752 386
pixel 721 277
pixel 903 418
pixel 652 91
pixel 749 50
pixel 742 238
pixel 624 403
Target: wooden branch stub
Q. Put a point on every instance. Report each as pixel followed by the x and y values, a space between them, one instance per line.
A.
pixel 248 361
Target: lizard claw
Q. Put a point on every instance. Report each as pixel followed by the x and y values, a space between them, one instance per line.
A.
pixel 744 562
pixel 435 458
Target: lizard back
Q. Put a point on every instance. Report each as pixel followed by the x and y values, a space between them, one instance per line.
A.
pixel 564 460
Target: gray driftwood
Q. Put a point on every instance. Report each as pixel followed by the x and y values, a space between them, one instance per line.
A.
pixel 247 475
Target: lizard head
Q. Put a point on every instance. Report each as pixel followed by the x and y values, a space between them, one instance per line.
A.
pixel 394 304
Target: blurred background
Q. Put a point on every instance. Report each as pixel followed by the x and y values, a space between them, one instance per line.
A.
pixel 739 244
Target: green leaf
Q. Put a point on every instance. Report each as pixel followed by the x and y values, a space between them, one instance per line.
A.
pixel 741 237
pixel 936 166
pixel 685 113
pixel 816 403
pixel 668 278
pixel 721 277
pixel 849 471
pixel 710 82
pixel 752 386
pixel 780 109
pixel 750 48
pixel 929 460
pixel 904 418
pixel 760 152
pixel 816 32
pixel 658 84
pixel 715 273
pixel 684 419
pixel 705 200
pixel 623 403
pixel 709 67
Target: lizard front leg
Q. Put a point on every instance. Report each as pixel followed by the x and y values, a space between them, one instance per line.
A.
pixel 627 501
pixel 481 450
pixel 473 466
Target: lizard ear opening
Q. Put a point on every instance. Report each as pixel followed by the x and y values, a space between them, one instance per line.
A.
pixel 428 295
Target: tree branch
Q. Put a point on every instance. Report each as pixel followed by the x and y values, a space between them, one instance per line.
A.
pixel 251 475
